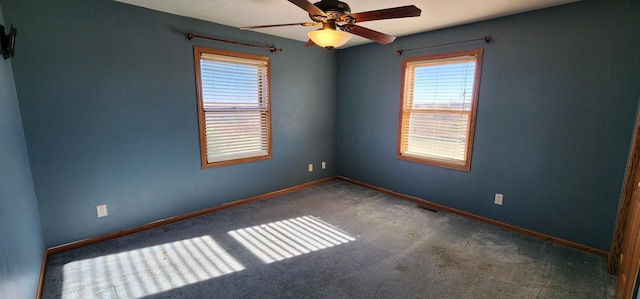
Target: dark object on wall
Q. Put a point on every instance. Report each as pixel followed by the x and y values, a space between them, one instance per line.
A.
pixel 7 42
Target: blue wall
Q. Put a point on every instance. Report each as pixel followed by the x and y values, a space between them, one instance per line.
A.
pixel 107 96
pixel 108 100
pixel 557 106
pixel 21 244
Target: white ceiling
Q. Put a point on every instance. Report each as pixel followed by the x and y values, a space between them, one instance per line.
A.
pixel 436 14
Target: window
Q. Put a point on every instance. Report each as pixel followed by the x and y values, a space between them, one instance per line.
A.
pixel 439 101
pixel 233 107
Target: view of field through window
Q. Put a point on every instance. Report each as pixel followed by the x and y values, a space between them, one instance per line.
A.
pixel 235 107
pixel 438 102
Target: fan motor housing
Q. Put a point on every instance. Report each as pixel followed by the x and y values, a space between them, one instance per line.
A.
pixel 335 10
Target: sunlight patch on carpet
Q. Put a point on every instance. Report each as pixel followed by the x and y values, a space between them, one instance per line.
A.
pixel 147 271
pixel 285 239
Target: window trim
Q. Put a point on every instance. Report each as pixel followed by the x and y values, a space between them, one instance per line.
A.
pixel 197 51
pixel 472 114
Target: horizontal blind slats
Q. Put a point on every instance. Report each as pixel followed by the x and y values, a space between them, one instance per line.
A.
pixel 235 93
pixel 229 133
pixel 236 155
pixel 436 109
pixel 232 59
pixel 441 135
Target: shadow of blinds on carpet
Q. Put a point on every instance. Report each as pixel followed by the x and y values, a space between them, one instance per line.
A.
pixel 147 271
pixel 285 239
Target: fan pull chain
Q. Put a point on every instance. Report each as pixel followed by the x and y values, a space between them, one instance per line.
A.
pixel 191 36
pixel 486 39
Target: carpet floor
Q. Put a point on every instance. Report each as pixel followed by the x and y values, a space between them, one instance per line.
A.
pixel 332 240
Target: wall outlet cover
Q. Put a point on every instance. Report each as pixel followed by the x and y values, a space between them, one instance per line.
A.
pixel 101 210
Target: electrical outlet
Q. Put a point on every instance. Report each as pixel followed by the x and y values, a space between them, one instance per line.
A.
pixel 324 165
pixel 498 199
pixel 310 167
pixel 101 210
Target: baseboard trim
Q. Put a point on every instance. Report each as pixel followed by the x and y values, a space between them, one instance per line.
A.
pixel 90 241
pixel 518 229
pixel 42 271
pixel 158 223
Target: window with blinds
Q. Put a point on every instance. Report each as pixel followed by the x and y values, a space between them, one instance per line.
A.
pixel 233 106
pixel 439 100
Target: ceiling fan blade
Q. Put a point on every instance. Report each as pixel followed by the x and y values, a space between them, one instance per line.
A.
pixel 310 43
pixel 373 35
pixel 309 7
pixel 278 25
pixel 388 13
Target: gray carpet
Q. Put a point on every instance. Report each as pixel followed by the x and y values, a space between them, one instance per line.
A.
pixel 334 240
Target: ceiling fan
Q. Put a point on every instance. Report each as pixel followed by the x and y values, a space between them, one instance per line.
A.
pixel 334 14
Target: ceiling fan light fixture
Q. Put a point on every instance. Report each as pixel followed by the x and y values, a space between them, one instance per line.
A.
pixel 329 38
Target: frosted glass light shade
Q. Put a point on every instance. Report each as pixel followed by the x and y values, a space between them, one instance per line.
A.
pixel 329 38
